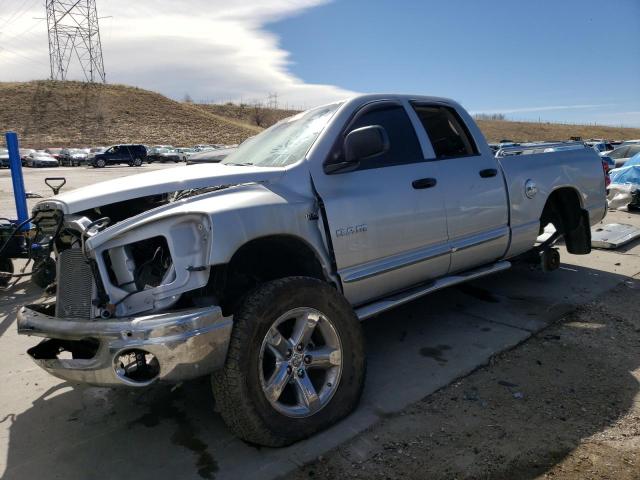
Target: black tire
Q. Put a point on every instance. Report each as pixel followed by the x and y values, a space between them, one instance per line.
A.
pixel 6 265
pixel 237 391
pixel 137 162
pixel 100 163
pixel 43 272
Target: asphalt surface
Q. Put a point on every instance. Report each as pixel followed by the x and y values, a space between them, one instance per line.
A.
pixel 53 429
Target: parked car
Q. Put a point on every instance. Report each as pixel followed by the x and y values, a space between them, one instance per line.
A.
pixel 258 269
pixel 203 146
pixel 97 149
pixel 24 153
pixel 54 152
pixel 41 159
pixel 132 155
pixel 623 153
pixel 210 156
pixel 161 154
pixel 4 157
pixel 185 153
pixel 72 157
pixel 600 146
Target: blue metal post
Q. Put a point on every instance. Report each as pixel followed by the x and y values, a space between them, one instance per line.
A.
pixel 16 177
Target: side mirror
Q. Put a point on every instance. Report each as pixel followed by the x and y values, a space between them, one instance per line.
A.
pixel 365 142
pixel 361 144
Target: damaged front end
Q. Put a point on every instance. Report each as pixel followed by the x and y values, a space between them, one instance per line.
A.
pixel 125 309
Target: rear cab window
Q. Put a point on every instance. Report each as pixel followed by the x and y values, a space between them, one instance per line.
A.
pixel 449 135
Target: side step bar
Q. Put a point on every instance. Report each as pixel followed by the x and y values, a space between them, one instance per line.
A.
pixel 377 307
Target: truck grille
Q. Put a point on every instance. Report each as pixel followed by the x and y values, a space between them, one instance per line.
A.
pixel 75 285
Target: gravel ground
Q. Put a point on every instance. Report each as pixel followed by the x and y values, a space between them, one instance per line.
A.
pixel 565 404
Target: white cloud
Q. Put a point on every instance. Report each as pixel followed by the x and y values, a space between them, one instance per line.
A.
pixel 548 108
pixel 211 49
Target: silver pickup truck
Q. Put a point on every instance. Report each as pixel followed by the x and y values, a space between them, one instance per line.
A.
pixel 257 270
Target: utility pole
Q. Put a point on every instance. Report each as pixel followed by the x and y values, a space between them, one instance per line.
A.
pixel 74 35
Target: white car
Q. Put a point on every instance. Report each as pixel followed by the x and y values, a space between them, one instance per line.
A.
pixel 41 159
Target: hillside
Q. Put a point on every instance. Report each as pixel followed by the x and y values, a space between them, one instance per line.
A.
pixel 47 114
pixel 496 130
pixel 256 115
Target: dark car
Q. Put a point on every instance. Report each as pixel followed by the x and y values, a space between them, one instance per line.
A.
pixel 72 157
pixel 163 154
pixel 132 155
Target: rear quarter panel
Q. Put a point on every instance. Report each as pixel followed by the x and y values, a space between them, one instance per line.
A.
pixel 580 170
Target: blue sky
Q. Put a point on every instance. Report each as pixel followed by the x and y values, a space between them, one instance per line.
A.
pixel 561 60
pixel 567 60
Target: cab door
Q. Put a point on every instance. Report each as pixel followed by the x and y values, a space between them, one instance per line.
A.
pixel 387 217
pixel 475 194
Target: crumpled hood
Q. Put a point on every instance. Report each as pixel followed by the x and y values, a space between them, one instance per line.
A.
pixel 157 182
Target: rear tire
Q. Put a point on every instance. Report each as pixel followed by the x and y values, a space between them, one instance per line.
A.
pixel 100 163
pixel 240 388
pixel 137 162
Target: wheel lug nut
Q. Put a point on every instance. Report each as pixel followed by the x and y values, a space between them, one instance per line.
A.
pixel 299 347
pixel 307 359
pixel 301 372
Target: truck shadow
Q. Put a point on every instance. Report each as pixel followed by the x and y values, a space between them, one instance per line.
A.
pixel 78 432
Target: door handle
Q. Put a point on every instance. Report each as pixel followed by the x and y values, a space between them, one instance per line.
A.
pixel 488 172
pixel 424 183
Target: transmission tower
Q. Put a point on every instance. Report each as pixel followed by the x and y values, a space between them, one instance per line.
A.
pixel 74 34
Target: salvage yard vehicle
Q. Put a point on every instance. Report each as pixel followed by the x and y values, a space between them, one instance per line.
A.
pixel 40 159
pixel 132 155
pixel 72 157
pixel 257 269
pixel 162 154
pixel 623 153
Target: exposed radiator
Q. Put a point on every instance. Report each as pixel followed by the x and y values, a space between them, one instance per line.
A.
pixel 75 285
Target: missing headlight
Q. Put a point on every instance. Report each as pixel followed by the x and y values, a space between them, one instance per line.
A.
pixel 140 265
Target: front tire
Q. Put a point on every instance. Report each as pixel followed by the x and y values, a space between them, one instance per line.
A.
pixel 296 362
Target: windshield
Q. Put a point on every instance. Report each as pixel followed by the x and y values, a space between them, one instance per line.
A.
pixel 284 143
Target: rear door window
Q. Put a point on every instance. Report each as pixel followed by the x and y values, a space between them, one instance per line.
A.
pixel 449 135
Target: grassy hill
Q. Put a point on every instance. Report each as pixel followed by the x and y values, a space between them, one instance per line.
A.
pixel 49 114
pixel 496 130
pixel 46 114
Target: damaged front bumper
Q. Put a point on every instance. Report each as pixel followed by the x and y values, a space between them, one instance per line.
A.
pixel 134 351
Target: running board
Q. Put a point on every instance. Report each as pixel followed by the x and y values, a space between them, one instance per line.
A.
pixel 375 308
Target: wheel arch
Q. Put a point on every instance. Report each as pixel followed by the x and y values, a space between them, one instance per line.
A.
pixel 564 210
pixel 264 259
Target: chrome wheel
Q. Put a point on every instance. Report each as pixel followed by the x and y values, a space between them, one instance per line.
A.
pixel 300 362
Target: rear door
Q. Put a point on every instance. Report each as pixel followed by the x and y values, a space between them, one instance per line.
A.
pixel 476 200
pixel 386 218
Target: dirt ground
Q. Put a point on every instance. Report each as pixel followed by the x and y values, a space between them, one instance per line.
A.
pixel 564 404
